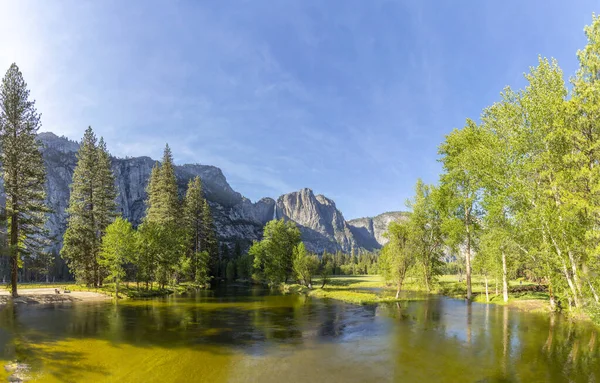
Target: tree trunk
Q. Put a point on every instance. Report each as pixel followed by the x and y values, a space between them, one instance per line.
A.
pixel 398 290
pixel 571 285
pixel 504 279
pixel 14 248
pixel 487 294
pixel 116 288
pixel 468 263
pixel 593 291
pixel 551 294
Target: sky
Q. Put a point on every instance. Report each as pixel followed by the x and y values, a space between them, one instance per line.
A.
pixel 350 98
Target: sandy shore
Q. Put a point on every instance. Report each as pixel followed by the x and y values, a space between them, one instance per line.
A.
pixel 48 295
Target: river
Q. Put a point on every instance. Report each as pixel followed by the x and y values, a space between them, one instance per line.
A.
pixel 237 334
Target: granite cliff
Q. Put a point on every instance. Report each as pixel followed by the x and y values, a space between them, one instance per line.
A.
pixel 237 218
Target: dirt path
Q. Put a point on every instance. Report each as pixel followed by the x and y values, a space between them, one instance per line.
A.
pixel 48 295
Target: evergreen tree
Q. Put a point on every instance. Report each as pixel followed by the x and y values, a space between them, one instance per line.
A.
pixel 193 212
pixel 209 241
pixel 106 197
pixel 162 205
pixel 92 207
pixel 22 170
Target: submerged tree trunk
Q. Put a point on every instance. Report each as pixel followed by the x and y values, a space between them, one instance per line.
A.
pixel 504 279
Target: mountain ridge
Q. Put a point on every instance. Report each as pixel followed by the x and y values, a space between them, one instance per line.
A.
pixel 237 218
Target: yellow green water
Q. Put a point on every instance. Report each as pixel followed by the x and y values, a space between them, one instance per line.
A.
pixel 239 335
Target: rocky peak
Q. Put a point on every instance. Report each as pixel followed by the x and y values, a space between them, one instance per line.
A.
pixel 237 218
pixel 369 231
pixel 319 220
pixel 61 144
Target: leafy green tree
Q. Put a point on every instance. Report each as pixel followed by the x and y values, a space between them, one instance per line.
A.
pixel 397 257
pixel 117 249
pixel 244 266
pixel 462 191
pixel 326 270
pixel 273 254
pixel 23 171
pixel 425 226
pixel 305 265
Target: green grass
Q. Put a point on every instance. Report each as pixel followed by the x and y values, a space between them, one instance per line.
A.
pixel 367 289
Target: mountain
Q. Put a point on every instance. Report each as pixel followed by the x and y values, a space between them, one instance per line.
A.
pixel 237 219
pixel 369 231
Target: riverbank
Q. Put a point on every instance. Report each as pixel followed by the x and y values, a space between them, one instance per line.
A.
pixel 49 295
pixel 39 293
pixel 371 289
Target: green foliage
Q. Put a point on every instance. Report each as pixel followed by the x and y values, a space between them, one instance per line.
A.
pixel 305 265
pixel 117 249
pixel 273 254
pixel 230 271
pixel 397 256
pixel 425 231
pixel 92 207
pixel 23 171
pixel 162 204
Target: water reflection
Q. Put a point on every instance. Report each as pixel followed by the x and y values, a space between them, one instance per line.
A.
pixel 270 337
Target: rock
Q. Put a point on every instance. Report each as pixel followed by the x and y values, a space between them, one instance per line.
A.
pixel 369 231
pixel 19 372
pixel 237 219
pixel 322 225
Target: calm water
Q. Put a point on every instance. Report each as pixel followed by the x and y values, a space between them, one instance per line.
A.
pixel 237 335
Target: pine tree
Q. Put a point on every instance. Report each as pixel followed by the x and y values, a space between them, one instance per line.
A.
pixel 193 212
pixel 80 243
pixel 209 241
pixel 92 207
pixel 106 196
pixel 22 170
pixel 162 205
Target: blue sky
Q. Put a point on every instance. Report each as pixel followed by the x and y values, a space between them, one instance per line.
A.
pixel 349 98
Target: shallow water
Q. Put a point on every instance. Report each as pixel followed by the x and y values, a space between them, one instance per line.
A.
pixel 236 335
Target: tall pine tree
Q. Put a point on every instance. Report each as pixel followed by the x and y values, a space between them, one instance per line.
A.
pixel 163 220
pixel 22 170
pixel 92 207
pixel 106 197
pixel 209 241
pixel 193 212
pixel 162 205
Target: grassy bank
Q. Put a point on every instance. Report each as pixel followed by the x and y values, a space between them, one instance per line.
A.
pixel 367 289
